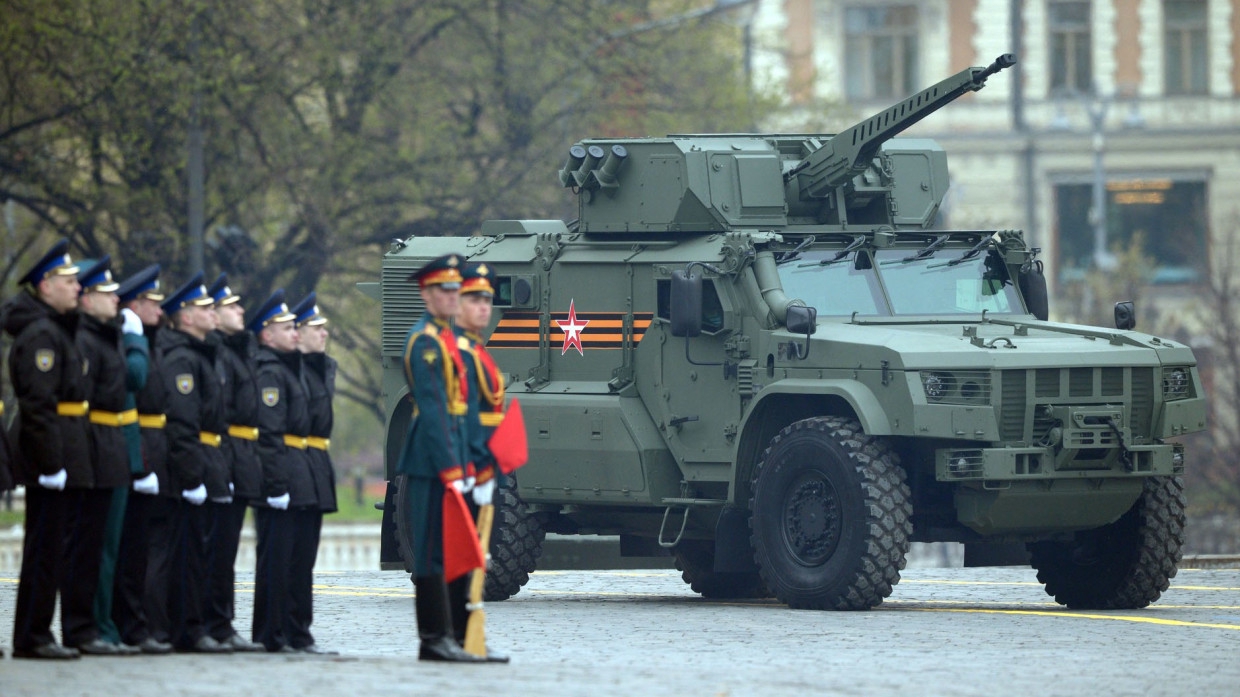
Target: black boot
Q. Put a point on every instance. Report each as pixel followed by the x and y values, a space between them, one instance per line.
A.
pixel 435 623
pixel 458 598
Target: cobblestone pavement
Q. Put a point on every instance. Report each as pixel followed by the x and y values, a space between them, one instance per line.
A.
pixel 943 632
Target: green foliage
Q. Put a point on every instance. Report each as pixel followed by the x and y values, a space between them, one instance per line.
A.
pixel 331 128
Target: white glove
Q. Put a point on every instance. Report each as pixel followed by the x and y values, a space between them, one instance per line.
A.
pixel 131 323
pixel 232 491
pixel 196 495
pixel 484 492
pixel 221 499
pixel 147 485
pixel 280 503
pixel 55 482
pixel 463 484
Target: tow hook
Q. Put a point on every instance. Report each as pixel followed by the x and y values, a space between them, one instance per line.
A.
pixel 1124 455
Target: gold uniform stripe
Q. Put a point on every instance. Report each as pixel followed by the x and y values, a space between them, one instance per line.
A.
pixel 243 432
pixel 294 441
pixel 111 418
pixel 318 443
pixel 491 418
pixel 209 438
pixel 72 408
pixel 152 420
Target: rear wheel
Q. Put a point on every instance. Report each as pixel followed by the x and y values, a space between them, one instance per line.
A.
pixel 695 559
pixel 1121 566
pixel 830 517
pixel 516 543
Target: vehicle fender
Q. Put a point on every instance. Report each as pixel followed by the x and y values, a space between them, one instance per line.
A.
pixel 859 398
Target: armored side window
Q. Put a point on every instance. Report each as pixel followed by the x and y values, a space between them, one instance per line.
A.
pixel 712 306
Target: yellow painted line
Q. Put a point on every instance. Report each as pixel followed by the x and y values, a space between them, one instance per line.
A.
pixel 946 582
pixel 1075 615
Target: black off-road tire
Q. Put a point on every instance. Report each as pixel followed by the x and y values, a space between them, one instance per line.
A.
pixel 1122 566
pixel 516 544
pixel 830 516
pixel 516 540
pixel 404 528
pixel 695 559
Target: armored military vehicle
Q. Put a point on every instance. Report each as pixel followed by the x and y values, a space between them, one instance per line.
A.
pixel 781 373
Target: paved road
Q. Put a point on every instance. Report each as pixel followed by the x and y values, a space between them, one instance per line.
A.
pixel 943 632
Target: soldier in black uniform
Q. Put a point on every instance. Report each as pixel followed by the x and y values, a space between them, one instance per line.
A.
pixel 197 469
pixel 235 356
pixel 283 424
pixel 139 598
pixel 94 534
pixel 52 456
pixel 318 373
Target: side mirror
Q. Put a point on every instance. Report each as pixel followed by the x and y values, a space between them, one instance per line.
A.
pixel 686 300
pixel 1125 315
pixel 801 320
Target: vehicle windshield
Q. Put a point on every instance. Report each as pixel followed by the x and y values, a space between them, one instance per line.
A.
pixel 936 286
pixel 835 288
pixel 929 286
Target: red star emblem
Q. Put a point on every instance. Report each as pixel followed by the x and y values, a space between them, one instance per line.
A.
pixel 572 329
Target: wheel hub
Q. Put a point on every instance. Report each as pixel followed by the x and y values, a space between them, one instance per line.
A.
pixel 812 520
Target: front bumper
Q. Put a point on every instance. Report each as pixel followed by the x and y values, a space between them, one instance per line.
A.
pixel 964 464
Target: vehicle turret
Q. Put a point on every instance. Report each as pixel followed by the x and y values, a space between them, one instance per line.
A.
pixel 857 178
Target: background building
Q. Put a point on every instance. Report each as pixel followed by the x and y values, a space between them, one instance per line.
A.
pixel 1129 101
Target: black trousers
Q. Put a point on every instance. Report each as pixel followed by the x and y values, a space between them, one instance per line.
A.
pixel 272 579
pixel 307 526
pixel 189 576
pixel 42 558
pixel 162 533
pixel 223 539
pixel 129 588
pixel 88 519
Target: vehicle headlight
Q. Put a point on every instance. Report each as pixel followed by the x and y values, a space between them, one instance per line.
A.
pixel 935 384
pixel 1175 383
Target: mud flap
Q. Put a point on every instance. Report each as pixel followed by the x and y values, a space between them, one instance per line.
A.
pixel 389 547
pixel 733 553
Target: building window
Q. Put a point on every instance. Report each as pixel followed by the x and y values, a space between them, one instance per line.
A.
pixel 1071 52
pixel 1167 215
pixel 1185 26
pixel 880 52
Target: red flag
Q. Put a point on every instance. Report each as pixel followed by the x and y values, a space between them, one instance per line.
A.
pixel 462 552
pixel 508 443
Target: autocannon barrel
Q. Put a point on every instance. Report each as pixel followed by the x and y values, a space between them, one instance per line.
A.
pixel 851 151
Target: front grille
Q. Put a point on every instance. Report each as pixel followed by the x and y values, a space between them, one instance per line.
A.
pixel 1012 411
pixel 1026 420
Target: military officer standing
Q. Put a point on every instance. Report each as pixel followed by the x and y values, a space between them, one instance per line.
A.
pixel 486 411
pixel 433 456
pixel 283 424
pixel 195 410
pixel 52 457
pixel 318 373
pixel 139 599
pixel 235 362
pixel 95 531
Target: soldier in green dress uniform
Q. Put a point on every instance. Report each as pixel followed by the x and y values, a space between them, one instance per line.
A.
pixel 434 454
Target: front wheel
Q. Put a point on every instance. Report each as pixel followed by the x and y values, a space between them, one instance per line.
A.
pixel 1122 566
pixel 830 521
